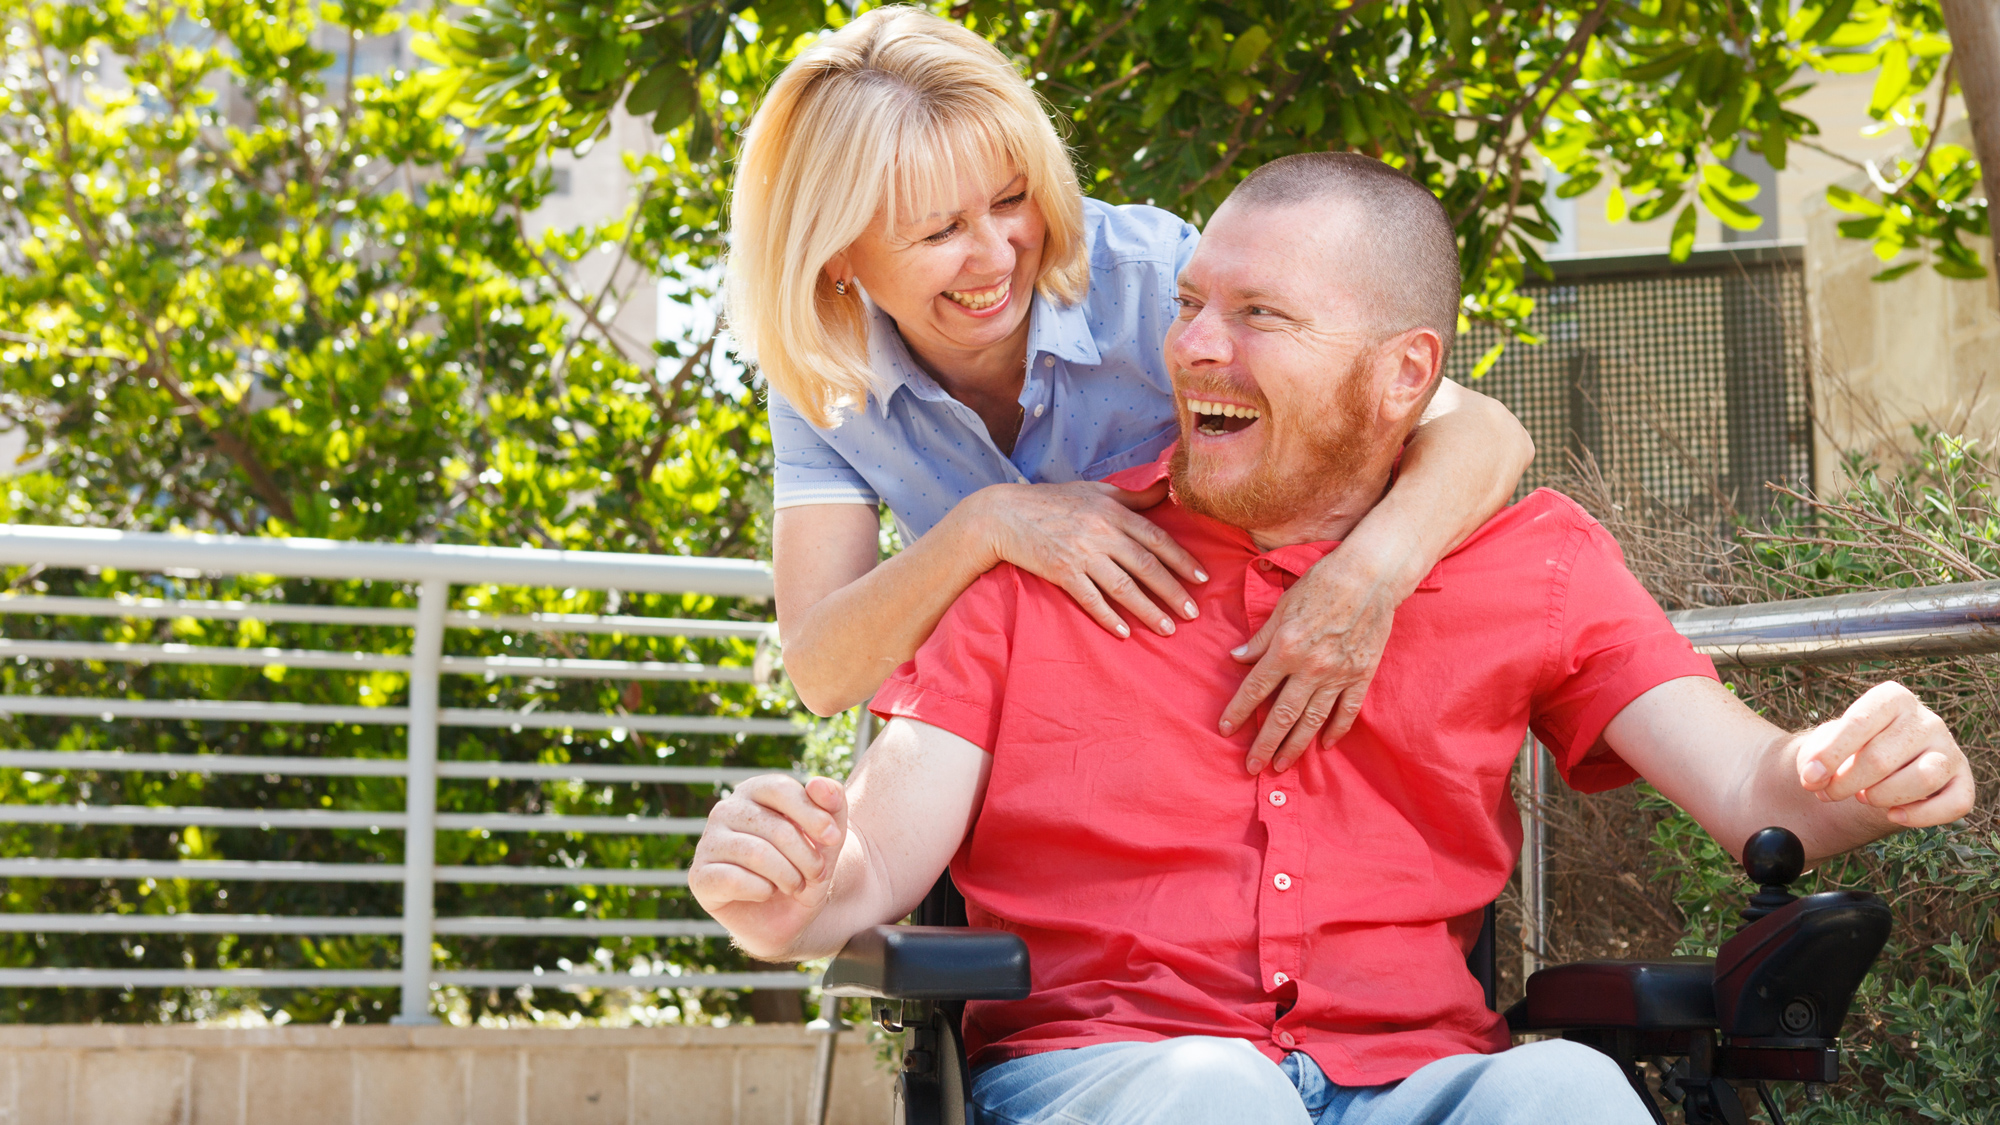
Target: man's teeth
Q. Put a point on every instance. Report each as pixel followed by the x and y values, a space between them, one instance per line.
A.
pixel 1225 409
pixel 977 300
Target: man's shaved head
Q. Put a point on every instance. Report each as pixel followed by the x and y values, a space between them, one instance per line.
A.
pixel 1402 231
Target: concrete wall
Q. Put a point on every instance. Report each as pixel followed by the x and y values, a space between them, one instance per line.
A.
pixel 124 1075
pixel 1921 348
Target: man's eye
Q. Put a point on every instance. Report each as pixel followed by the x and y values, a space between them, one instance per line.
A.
pixel 1186 306
pixel 1259 310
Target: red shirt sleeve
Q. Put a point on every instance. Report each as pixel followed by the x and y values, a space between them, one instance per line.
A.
pixel 958 678
pixel 1611 644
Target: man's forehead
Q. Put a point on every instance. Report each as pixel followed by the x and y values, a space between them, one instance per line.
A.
pixel 1286 253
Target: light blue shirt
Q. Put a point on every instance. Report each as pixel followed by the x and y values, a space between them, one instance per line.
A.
pixel 1096 399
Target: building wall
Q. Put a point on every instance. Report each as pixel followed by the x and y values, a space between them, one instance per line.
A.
pixel 124 1075
pixel 1886 355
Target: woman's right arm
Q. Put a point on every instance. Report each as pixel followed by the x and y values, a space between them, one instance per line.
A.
pixel 847 622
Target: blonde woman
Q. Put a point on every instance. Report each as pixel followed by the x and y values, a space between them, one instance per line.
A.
pixel 949 327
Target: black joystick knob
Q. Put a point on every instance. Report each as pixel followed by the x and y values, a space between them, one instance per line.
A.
pixel 1774 859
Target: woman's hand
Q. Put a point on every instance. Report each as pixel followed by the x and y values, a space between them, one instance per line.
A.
pixel 1318 652
pixel 1089 539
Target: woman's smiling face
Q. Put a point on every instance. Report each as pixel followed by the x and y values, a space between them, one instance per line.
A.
pixel 960 281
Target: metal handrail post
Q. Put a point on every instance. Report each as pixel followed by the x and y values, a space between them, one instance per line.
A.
pixel 420 837
pixel 1534 861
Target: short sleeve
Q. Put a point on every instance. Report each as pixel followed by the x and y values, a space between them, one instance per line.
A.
pixel 809 470
pixel 958 679
pixel 1612 644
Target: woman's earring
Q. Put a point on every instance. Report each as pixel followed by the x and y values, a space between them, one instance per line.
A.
pixel 840 287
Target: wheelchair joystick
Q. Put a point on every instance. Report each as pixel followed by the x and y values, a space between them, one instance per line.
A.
pixel 1774 859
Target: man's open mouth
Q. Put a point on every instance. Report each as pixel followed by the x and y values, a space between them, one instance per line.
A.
pixel 979 300
pixel 1217 418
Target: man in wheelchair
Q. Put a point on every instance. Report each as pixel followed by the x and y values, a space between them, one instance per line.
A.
pixel 1213 945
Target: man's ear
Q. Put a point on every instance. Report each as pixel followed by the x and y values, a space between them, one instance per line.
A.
pixel 1414 359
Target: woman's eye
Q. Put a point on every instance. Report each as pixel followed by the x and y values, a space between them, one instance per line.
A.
pixel 1012 200
pixel 941 235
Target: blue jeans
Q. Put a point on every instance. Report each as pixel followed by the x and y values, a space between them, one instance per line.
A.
pixel 1198 1080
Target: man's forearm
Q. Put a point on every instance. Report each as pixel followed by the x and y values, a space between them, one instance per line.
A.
pixel 777 931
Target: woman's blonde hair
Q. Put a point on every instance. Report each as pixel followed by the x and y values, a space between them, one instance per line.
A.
pixel 875 120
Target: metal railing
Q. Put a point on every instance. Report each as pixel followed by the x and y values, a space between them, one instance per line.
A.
pixel 1961 619
pixel 432 571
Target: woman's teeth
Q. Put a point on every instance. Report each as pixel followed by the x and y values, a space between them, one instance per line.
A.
pixel 979 300
pixel 1222 417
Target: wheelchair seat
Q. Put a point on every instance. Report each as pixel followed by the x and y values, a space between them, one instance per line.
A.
pixel 1767 1009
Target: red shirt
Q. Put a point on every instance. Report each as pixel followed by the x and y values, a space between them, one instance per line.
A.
pixel 1163 891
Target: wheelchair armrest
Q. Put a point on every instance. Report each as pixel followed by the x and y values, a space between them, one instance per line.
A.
pixel 1671 995
pixel 930 963
pixel 1792 974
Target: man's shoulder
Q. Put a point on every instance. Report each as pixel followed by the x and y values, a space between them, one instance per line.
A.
pixel 1542 516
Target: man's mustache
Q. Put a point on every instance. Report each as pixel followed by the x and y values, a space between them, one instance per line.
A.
pixel 1232 390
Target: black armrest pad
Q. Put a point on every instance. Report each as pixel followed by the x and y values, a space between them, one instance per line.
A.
pixel 930 963
pixel 1641 995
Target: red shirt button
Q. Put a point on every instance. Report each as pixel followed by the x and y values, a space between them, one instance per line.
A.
pixel 1282 881
pixel 1285 1039
pixel 1263 564
pixel 1278 797
pixel 1278 980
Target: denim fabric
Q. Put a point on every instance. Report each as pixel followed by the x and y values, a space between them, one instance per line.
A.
pixel 1197 1080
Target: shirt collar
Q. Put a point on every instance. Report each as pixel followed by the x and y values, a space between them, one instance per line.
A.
pixel 1054 329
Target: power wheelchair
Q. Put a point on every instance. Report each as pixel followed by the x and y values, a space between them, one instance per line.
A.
pixel 1767 1008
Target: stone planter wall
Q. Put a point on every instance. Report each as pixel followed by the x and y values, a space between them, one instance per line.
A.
pixel 125 1075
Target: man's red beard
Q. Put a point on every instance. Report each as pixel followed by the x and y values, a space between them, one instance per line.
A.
pixel 1331 454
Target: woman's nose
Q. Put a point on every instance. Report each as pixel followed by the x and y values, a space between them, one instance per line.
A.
pixel 993 249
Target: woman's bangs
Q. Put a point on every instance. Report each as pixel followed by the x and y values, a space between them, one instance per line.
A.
pixel 930 156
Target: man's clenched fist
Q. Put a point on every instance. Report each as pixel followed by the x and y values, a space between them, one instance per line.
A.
pixel 1892 753
pixel 765 864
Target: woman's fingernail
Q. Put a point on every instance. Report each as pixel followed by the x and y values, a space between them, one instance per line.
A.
pixel 1228 727
pixel 1167 626
pixel 1251 765
pixel 1200 576
pixel 1123 631
pixel 1814 771
pixel 1189 609
pixel 1239 650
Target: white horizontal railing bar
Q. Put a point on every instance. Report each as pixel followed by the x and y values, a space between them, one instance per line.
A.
pixel 168 815
pixel 117 652
pixel 24 544
pixel 579 927
pixel 341 818
pixel 120 652
pixel 201 710
pixel 565 876
pixel 208 870
pixel 668 775
pixel 122 760
pixel 117 760
pixel 607 623
pixel 61 606
pixel 588 669
pixel 654 981
pixel 532 822
pixel 193 924
pixel 589 720
pixel 244 711
pixel 198 978
pixel 283 924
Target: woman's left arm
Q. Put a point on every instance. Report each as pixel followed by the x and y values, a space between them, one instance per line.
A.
pixel 1318 652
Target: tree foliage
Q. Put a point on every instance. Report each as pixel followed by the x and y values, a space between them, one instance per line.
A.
pixel 245 288
pixel 1174 102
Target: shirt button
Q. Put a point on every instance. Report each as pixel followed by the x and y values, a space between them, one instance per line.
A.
pixel 1277 796
pixel 1282 881
pixel 1038 410
pixel 1048 361
pixel 1263 564
pixel 1287 1039
pixel 1278 979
